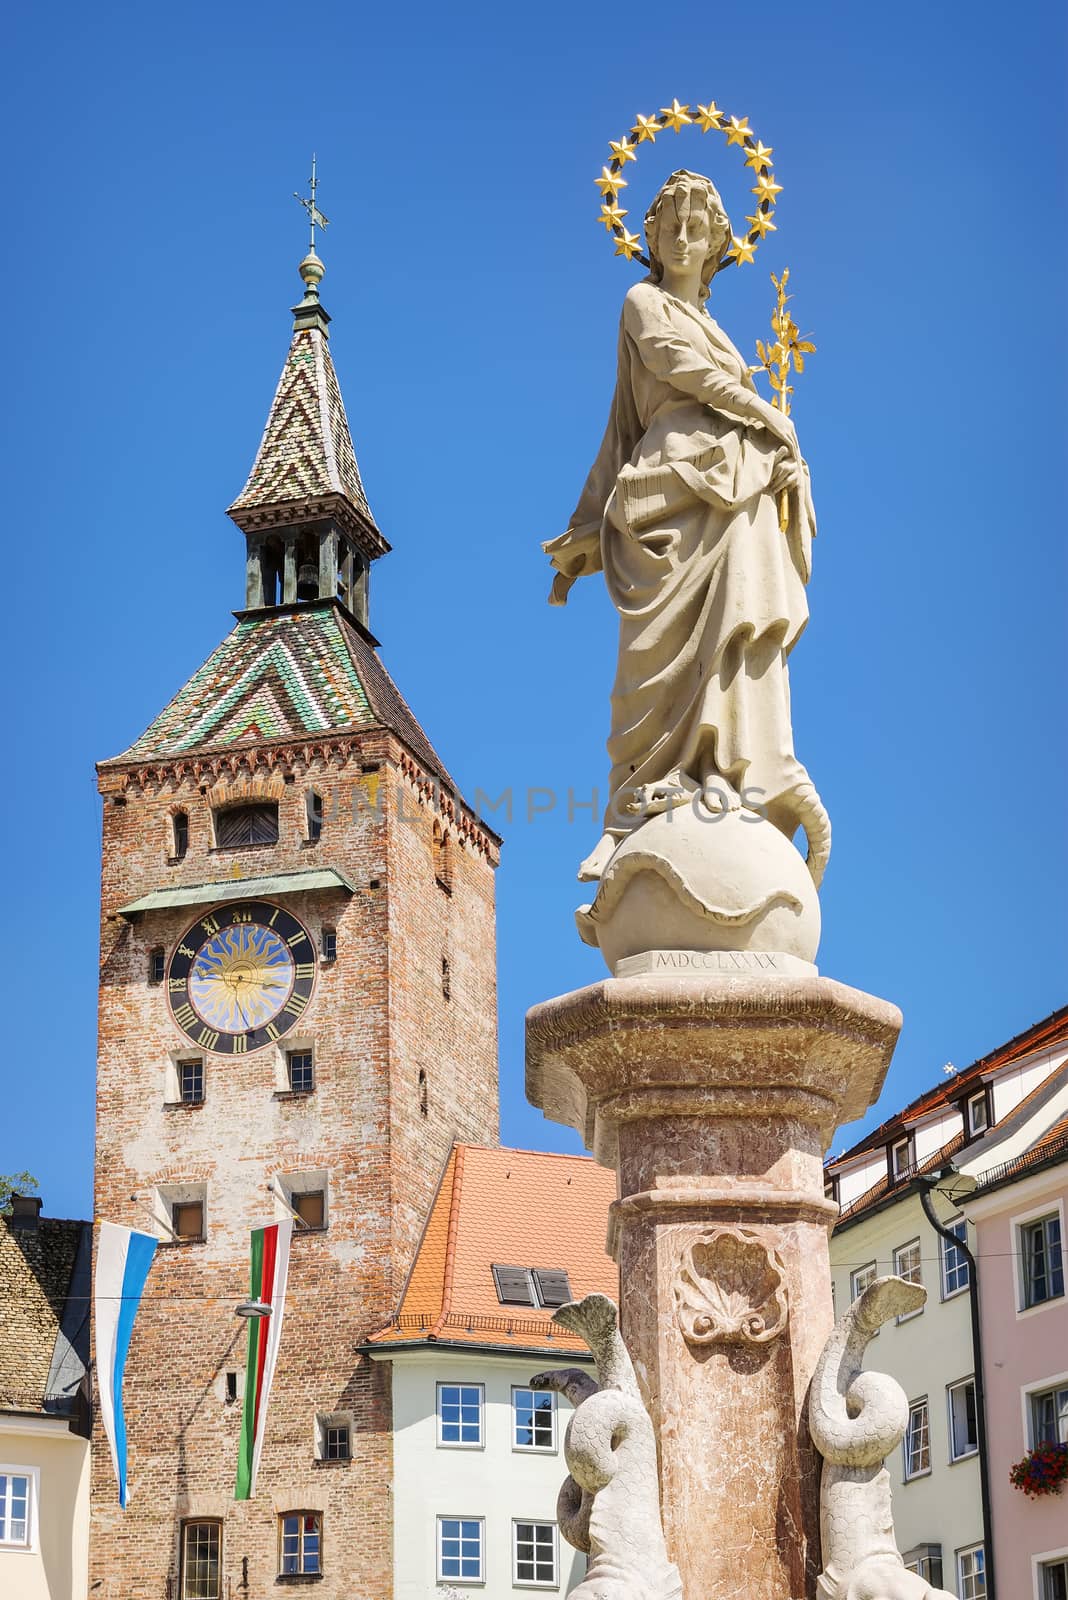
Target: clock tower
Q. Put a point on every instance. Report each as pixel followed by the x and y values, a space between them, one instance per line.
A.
pixel 297 1019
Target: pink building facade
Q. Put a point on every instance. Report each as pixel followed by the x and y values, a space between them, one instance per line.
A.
pixel 1019 1217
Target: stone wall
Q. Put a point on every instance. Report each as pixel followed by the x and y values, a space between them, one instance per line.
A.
pixel 381 1014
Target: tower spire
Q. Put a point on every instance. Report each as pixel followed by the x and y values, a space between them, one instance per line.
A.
pixel 303 511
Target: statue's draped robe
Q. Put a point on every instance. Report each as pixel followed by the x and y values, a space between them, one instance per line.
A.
pixel 679 514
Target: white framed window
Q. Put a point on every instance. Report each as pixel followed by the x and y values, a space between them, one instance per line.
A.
pixel 902 1157
pixel 917 1440
pixel 955 1275
pixel 534 1555
pixel 461 1546
pixel 1046 1417
pixel 201 1560
pixel 963 1425
pixel 533 1419
pixel 971 1573
pixel 333 1436
pixel 1051 1576
pixel 926 1561
pixel 461 1407
pixel 978 1114
pixel 19 1488
pixel 300 1543
pixel 1041 1258
pixel 908 1265
pixel 862 1278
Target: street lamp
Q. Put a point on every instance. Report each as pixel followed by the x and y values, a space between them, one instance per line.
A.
pixel 252 1309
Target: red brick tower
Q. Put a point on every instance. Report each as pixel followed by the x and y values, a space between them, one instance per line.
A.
pixel 284 813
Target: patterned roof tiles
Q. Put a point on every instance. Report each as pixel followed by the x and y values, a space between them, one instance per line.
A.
pixel 306 450
pixel 277 674
pixel 285 674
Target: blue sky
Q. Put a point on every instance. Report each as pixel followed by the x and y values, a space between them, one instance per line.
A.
pixel 151 156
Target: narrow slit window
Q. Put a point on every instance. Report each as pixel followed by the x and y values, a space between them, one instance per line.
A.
pixel 157 964
pixel 315 816
pixel 179 835
pixel 329 944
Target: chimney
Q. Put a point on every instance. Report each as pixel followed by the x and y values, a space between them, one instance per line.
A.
pixel 25 1211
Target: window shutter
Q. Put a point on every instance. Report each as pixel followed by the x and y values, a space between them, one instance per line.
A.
pixel 552 1286
pixel 513 1286
pixel 246 825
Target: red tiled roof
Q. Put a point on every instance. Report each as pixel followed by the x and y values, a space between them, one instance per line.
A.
pixel 512 1208
pixel 1052 1030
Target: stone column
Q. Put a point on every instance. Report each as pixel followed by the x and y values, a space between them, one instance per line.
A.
pixel 715 1097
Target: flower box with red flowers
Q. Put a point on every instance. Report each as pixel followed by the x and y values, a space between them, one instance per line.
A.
pixel 1043 1470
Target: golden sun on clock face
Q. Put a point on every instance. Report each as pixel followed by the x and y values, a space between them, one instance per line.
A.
pixel 241 977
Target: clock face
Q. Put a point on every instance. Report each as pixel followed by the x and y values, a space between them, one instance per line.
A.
pixel 241 977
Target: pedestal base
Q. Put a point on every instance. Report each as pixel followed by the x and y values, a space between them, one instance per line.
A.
pixel 715 1099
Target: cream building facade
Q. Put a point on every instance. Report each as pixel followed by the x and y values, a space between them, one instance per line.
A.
pixel 478 1455
pixel 44 1446
pixel 944 1144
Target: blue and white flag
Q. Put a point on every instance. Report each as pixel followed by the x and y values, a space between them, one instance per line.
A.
pixel 123 1258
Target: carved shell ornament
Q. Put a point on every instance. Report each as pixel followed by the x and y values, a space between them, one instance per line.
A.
pixel 730 1288
pixel 709 119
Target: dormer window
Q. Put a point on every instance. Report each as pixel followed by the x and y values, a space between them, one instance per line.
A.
pixel 249 824
pixel 902 1158
pixel 977 1113
pixel 531 1286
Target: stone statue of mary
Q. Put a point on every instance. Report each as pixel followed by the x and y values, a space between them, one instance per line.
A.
pixel 681 513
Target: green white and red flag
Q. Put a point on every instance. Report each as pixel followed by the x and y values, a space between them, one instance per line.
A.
pixel 269 1260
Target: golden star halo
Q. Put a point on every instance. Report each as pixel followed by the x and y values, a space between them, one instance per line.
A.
pixel 707 118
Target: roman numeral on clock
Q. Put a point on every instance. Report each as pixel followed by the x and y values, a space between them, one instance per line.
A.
pixel 295 1005
pixel 185 1016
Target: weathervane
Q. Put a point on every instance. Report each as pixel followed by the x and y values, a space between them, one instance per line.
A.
pixel 315 216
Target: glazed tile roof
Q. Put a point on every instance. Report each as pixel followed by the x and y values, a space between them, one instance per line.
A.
pixel 36 1268
pixel 284 674
pixel 306 450
pixel 514 1208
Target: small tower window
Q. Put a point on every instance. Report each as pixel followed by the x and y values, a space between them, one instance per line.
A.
pixel 157 964
pixel 191 1082
pixel 329 944
pixel 300 1071
pixel 315 816
pixel 310 1207
pixel 231 1388
pixel 244 825
pixel 424 1105
pixel 179 835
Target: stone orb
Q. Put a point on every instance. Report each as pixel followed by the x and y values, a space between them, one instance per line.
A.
pixel 691 879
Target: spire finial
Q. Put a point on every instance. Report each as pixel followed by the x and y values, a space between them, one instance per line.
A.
pixel 309 313
pixel 315 216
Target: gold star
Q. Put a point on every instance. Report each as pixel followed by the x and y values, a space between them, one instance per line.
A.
pixel 646 128
pixel 627 244
pixel 621 150
pixel 761 223
pixel 611 215
pixel 677 116
pixel 741 250
pixel 709 116
pixel 738 131
pixel 610 183
pixel 760 157
pixel 767 188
